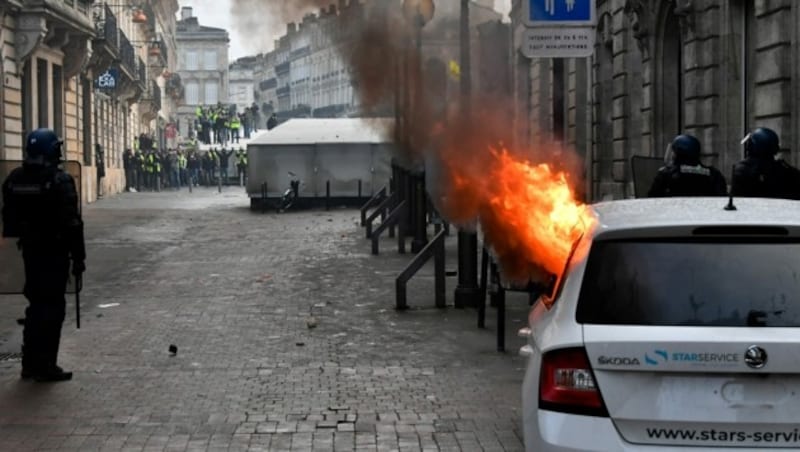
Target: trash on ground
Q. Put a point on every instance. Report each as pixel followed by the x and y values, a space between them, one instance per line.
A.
pixel 107 305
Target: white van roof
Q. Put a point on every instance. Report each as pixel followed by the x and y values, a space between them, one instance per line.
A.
pixel 648 213
pixel 328 131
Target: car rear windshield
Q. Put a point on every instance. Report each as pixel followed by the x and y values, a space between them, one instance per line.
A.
pixel 692 283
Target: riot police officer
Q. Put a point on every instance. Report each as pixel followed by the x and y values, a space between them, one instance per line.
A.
pixel 760 174
pixel 40 207
pixel 685 175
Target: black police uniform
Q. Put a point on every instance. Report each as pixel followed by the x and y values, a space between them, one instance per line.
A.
pixel 759 174
pixel 40 207
pixel 686 176
pixel 765 178
pixel 272 122
pixel 688 180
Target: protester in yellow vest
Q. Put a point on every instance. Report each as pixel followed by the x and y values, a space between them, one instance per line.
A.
pixel 236 124
pixel 241 165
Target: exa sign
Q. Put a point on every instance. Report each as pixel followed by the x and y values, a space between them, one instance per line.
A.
pixel 108 80
pixel 548 13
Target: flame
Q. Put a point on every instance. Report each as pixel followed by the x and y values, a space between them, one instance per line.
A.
pixel 528 213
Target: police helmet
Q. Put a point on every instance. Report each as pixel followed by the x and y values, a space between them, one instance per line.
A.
pixel 686 149
pixel 762 143
pixel 43 146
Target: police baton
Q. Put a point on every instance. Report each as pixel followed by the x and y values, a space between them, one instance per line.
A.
pixel 78 288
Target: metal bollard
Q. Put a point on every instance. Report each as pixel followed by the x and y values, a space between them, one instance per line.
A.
pixel 328 195
pixel 264 197
pixel 219 182
pixel 359 188
pixel 501 319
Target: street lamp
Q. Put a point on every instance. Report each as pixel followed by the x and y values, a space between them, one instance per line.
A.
pixel 418 13
pixel 467 292
pixel 419 8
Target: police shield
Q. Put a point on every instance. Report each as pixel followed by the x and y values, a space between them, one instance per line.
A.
pixel 644 170
pixel 12 270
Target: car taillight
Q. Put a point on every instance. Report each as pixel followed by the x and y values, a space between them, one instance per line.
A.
pixel 567 384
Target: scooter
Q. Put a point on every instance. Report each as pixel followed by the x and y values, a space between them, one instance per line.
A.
pixel 292 193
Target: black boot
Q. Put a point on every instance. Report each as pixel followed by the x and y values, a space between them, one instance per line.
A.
pixel 53 374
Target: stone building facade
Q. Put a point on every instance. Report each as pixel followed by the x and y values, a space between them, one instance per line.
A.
pixel 306 75
pixel 202 66
pixel 164 91
pixel 241 85
pixel 712 68
pixel 265 88
pixel 78 67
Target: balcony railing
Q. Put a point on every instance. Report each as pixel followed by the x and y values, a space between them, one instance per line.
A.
pixel 283 67
pixel 154 95
pixel 158 50
pixel 284 91
pixel 142 72
pixel 301 52
pixel 151 17
pixel 105 23
pixel 174 86
pixel 127 54
pixel 82 6
pixel 268 84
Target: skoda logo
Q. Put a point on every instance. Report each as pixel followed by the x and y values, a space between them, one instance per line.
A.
pixel 755 357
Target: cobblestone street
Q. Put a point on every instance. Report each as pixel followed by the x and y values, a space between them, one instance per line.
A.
pixel 287 339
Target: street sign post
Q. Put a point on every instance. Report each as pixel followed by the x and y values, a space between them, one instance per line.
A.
pixel 567 42
pixel 559 28
pixel 548 13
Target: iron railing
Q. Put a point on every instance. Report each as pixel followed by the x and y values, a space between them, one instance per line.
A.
pixel 105 23
pixel 268 84
pixel 142 72
pixel 301 52
pixel 151 17
pixel 283 68
pixel 158 49
pixel 127 54
pixel 155 93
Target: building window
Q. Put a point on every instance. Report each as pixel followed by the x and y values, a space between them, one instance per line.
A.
pixel 41 91
pixel 42 96
pixel 58 101
pixel 27 98
pixel 192 62
pixel 86 102
pixel 211 94
pixel 210 60
pixel 192 93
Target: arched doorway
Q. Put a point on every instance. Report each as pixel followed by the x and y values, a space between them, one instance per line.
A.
pixel 669 93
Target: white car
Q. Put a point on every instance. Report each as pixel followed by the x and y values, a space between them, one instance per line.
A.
pixel 679 327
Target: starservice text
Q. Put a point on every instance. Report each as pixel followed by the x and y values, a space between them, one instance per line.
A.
pixel 705 357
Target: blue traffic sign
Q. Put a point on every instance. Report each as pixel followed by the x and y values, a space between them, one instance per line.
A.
pixel 550 12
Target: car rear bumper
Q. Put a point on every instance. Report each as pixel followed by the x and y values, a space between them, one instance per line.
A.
pixel 548 431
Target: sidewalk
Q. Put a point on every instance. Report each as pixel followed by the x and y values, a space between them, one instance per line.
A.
pixel 287 340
